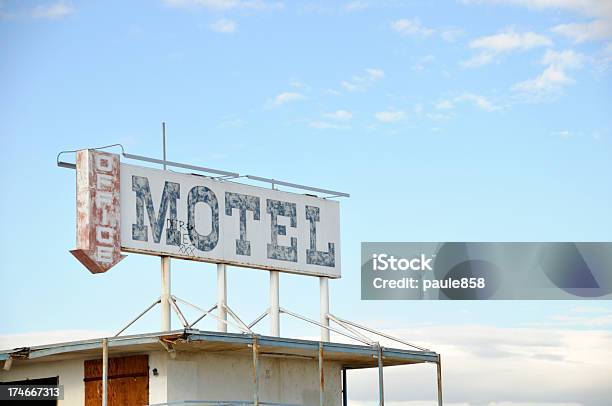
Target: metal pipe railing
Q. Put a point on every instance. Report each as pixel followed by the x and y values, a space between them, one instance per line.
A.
pixel 283 310
pixel 379 333
pixel 138 317
pixel 221 173
pixel 259 318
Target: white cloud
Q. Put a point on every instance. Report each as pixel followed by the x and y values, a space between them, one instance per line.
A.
pixel 601 321
pixel 351 87
pixel 479 101
pixel 375 74
pixel 603 58
pixel 581 309
pixel 576 318
pixel 480 59
pixel 445 105
pixel 224 26
pixel 563 134
pixel 339 119
pixel 509 41
pixel 591 8
pixel 390 116
pixel 554 77
pixel 356 6
pixel 601 10
pixel 552 366
pixel 287 97
pixel 451 34
pixel 339 115
pixel 581 32
pixel 440 116
pixel 414 28
pixel 225 4
pixel 551 80
pixel 324 125
pixel 567 59
pixel 584 316
pixel 422 62
pixel 411 27
pixel 504 42
pixel 54 11
pixel 362 82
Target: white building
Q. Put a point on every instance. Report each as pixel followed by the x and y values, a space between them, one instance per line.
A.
pixel 200 368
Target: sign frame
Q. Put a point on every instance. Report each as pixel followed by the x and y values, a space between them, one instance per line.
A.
pixel 255 227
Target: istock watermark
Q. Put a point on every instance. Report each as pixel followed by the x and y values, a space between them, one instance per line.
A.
pixel 486 270
pixel 382 262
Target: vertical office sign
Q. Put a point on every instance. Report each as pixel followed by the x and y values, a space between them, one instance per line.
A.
pixel 98 210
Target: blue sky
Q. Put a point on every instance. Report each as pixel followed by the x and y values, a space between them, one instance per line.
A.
pixel 483 120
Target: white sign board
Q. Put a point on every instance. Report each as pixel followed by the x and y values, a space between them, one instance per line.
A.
pixel 198 218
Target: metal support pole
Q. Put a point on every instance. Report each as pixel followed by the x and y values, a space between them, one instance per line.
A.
pixel 222 298
pixel 255 371
pixel 137 317
pixel 439 368
pixel 165 294
pixel 166 324
pixel 321 377
pixel 324 306
pixel 104 371
pixel 274 304
pixel 381 390
pixel 344 393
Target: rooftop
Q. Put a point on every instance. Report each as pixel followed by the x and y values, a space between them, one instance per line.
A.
pixel 350 355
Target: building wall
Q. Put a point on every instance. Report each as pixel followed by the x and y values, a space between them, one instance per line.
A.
pixel 204 376
pixel 226 376
pixel 70 376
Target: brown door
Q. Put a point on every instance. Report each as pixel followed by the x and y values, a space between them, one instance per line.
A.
pixel 128 381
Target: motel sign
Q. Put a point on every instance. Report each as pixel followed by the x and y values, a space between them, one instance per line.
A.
pixel 137 209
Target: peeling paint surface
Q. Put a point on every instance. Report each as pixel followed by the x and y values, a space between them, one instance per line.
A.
pixel 202 194
pixel 243 203
pixel 172 192
pixel 275 251
pixel 98 210
pixel 312 255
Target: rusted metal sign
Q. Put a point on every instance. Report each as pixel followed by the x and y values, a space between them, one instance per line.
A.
pixel 198 218
pixel 98 210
